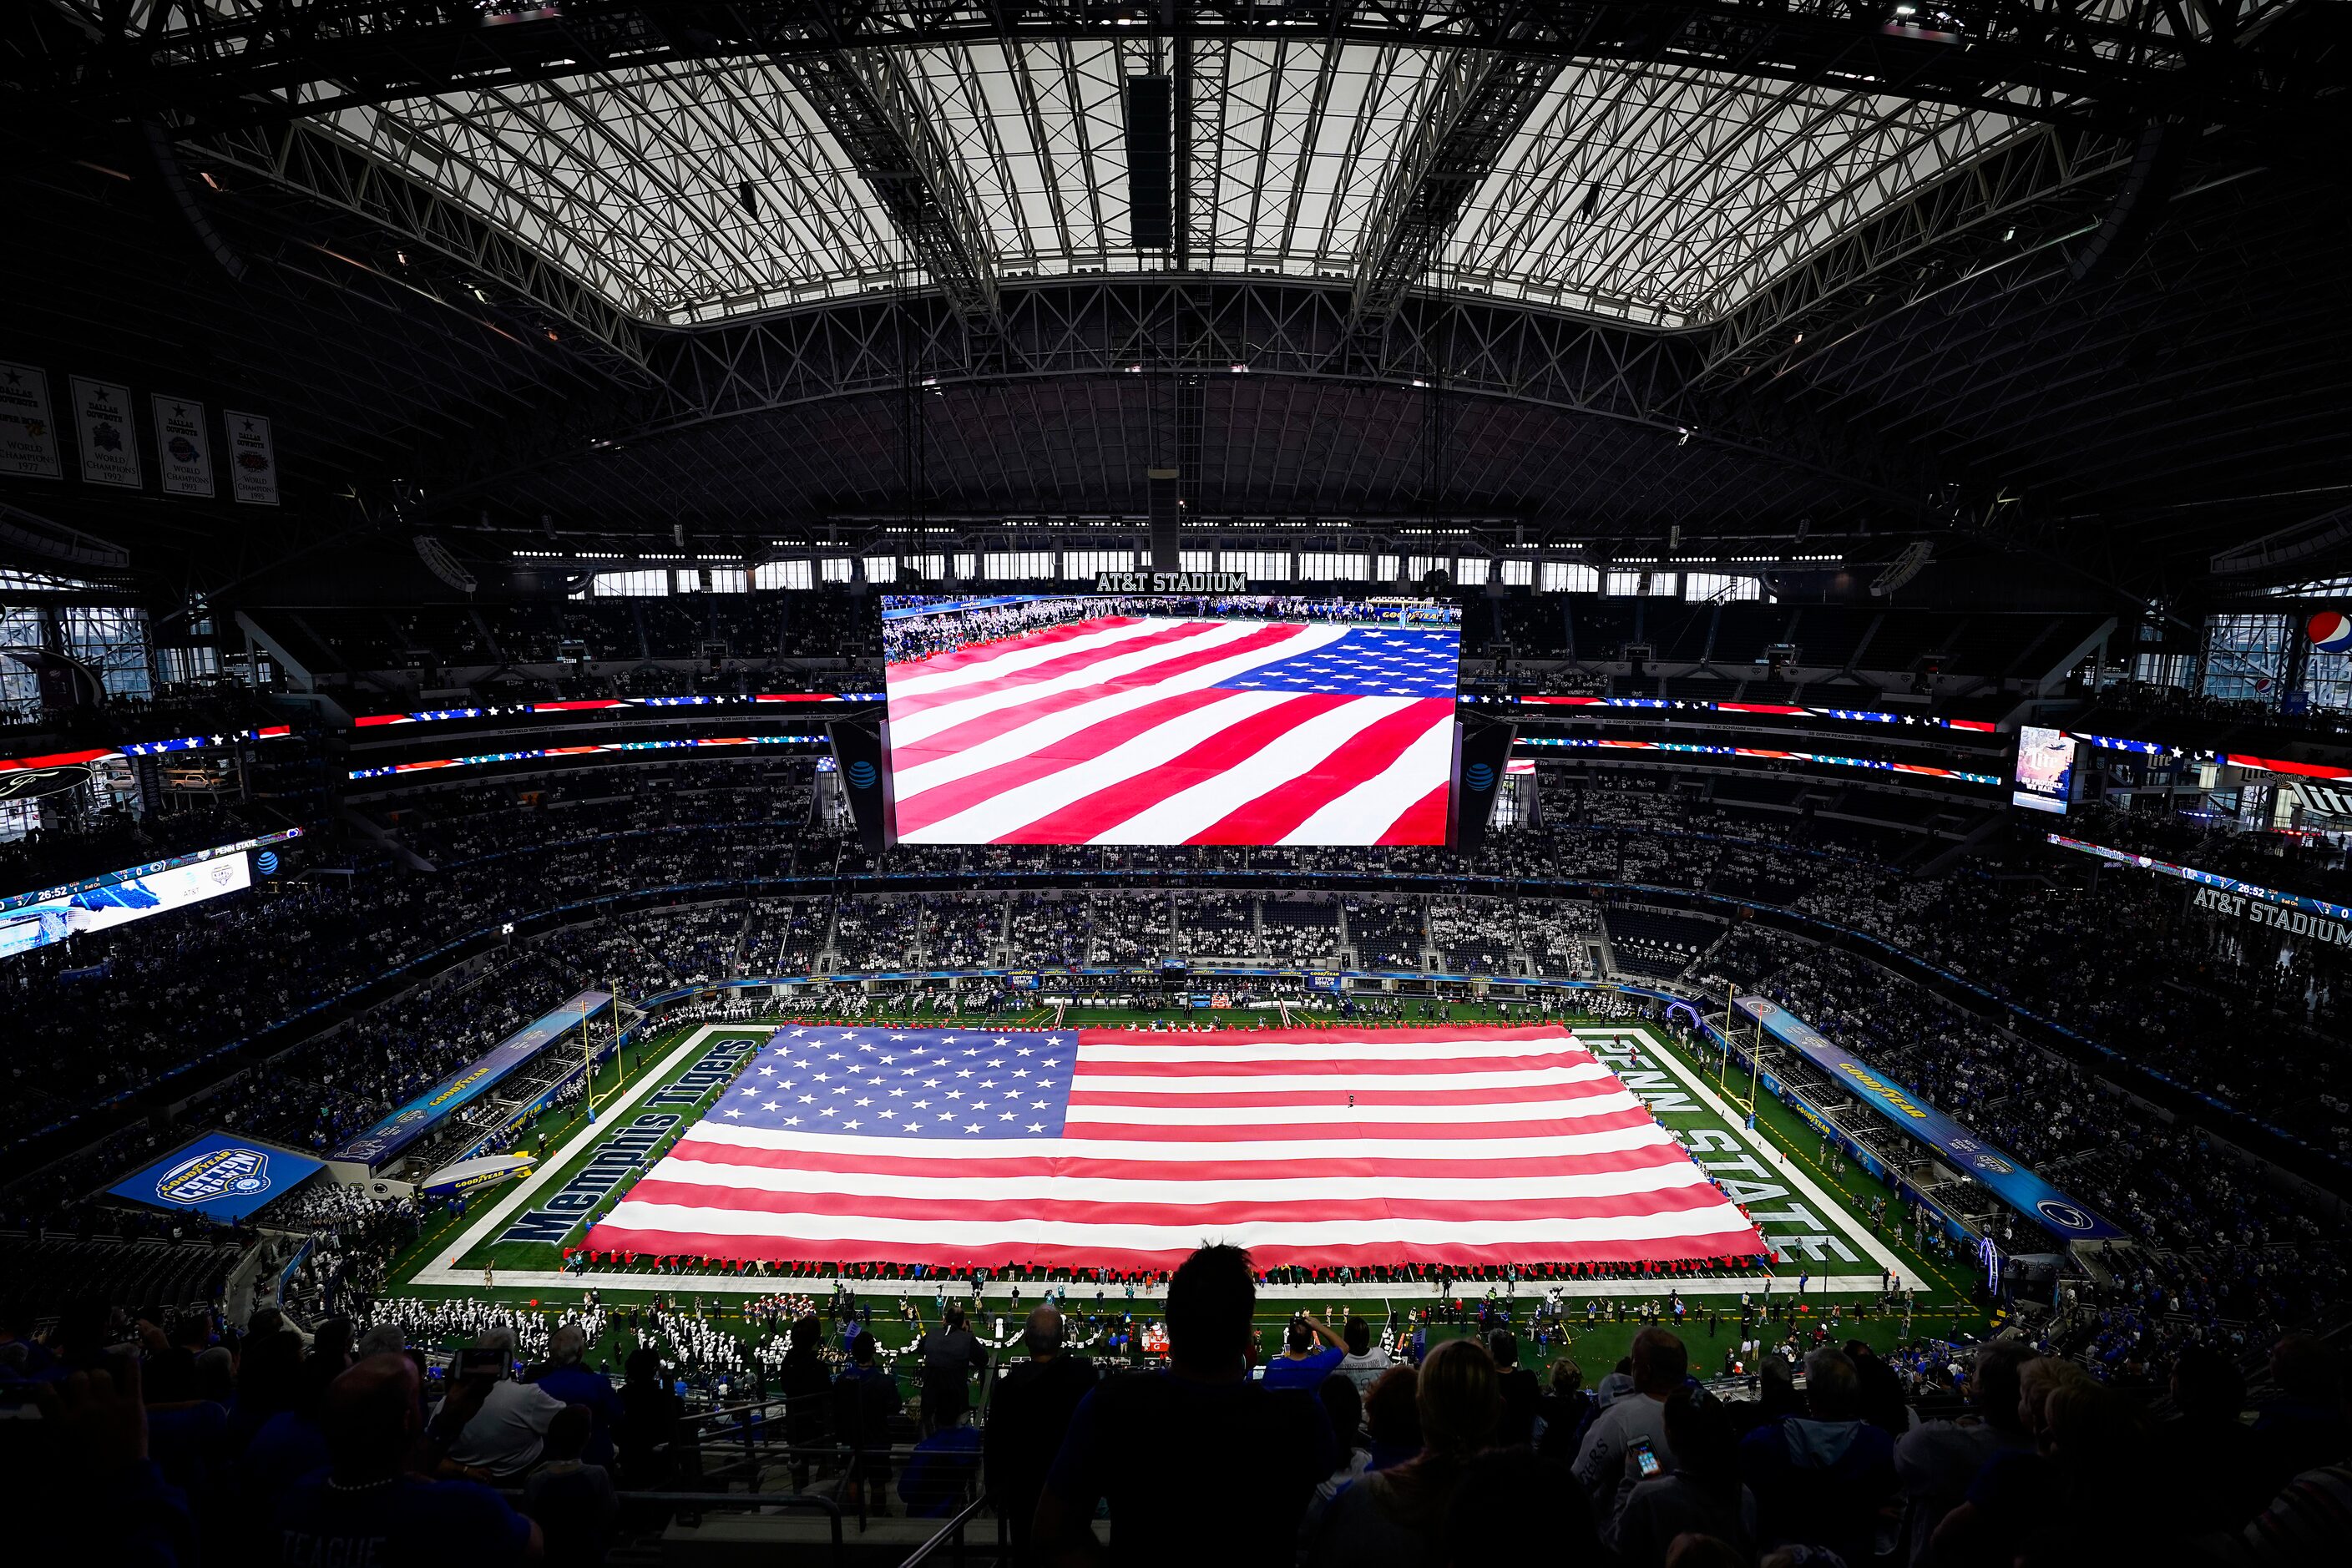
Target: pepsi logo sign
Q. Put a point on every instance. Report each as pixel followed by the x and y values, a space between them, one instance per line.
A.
pixel 2330 631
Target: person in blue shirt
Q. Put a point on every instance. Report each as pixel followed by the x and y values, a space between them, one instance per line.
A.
pixel 565 1377
pixel 1301 1364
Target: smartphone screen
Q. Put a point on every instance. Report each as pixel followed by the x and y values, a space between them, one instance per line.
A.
pixel 1645 1461
pixel 491 1362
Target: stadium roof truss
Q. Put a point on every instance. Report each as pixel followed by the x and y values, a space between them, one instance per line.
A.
pixel 1656 165
pixel 1613 263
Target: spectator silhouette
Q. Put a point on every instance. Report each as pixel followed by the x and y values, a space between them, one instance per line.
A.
pixel 565 1377
pixel 1029 1412
pixel 367 1508
pixel 1391 1420
pixel 1936 1461
pixel 2209 1460
pixel 1397 1516
pixel 506 1435
pixel 865 1402
pixel 1563 1410
pixel 1198 1463
pixel 952 1355
pixel 572 1502
pixel 1301 1365
pixel 1511 1507
pixel 1519 1389
pixel 806 1388
pixel 1364 1362
pixel 2300 1425
pixel 1703 1494
pixel 1819 1478
pixel 1659 1365
pixel 652 1416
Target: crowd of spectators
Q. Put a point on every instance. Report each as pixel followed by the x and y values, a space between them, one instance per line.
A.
pixel 181 1443
pixel 2173 992
pixel 2105 952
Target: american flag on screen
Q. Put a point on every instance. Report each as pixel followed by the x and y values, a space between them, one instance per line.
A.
pixel 1147 730
pixel 1123 1149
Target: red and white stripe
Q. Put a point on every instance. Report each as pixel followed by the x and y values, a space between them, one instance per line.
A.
pixel 1118 731
pixel 1463 1146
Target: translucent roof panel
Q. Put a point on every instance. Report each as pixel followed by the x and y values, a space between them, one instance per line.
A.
pixel 1670 197
pixel 1633 193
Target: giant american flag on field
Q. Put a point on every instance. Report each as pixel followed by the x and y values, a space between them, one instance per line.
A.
pixel 1127 1149
pixel 1151 729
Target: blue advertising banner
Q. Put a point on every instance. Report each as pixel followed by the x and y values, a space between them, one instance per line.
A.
pixel 427 1111
pixel 221 1175
pixel 2018 1187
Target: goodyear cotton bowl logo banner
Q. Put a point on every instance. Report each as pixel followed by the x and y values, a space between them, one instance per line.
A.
pixel 220 1175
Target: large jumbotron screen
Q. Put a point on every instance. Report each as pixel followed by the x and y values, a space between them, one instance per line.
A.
pixel 1189 719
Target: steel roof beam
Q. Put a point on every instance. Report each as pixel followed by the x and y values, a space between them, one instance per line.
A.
pixel 312 164
pixel 1104 328
pixel 1483 100
pixel 2117 63
pixel 873 110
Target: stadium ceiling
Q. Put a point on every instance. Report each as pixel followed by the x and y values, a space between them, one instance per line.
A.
pixel 1652 163
pixel 1593 228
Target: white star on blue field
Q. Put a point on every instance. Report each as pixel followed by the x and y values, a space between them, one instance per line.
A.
pixel 941 1085
pixel 1366 663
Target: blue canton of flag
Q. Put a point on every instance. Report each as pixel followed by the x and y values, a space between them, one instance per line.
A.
pixel 1367 663
pixel 943 1085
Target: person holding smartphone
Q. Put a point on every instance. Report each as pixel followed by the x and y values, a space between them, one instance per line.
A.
pixel 1702 1495
pixel 1661 1366
pixel 504 1438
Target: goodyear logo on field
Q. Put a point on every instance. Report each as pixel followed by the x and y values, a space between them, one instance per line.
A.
pixel 215 1175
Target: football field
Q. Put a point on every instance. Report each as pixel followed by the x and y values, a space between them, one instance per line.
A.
pixel 508 1245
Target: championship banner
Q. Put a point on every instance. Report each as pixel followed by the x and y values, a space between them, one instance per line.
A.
pixel 109 443
pixel 420 1116
pixel 183 446
pixel 252 459
pixel 2018 1187
pixel 29 430
pixel 222 1175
